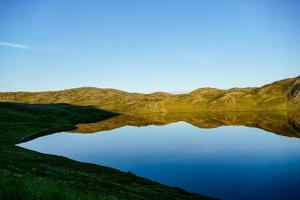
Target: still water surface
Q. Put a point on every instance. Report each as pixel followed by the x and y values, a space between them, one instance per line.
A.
pixel 232 162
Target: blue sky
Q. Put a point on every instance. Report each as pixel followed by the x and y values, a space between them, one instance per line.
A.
pixel 147 45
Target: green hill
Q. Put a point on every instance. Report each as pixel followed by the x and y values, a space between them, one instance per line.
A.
pixel 280 95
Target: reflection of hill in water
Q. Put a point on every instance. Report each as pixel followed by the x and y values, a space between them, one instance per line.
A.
pixel 279 122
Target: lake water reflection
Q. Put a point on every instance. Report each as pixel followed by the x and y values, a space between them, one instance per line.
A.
pixel 227 162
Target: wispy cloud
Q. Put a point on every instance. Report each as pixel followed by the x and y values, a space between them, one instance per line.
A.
pixel 13 45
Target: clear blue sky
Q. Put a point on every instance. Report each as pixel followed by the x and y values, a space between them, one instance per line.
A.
pixel 147 45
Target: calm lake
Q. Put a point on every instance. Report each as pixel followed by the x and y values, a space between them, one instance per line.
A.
pixel 227 162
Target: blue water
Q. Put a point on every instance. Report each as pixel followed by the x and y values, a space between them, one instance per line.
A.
pixel 225 162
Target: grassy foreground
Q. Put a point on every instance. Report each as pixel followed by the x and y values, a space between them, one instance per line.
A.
pixel 29 175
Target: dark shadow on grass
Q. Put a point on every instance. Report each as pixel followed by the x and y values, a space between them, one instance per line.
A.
pixel 61 117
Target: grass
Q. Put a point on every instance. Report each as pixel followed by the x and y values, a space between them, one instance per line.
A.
pixel 29 175
pixel 16 188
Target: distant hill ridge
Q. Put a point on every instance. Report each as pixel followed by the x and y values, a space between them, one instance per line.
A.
pixel 279 95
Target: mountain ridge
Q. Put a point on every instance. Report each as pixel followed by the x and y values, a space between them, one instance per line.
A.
pixel 279 95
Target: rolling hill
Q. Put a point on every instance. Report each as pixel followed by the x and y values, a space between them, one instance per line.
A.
pixel 279 95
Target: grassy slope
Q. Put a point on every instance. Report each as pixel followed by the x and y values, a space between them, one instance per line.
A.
pixel 25 174
pixel 279 95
